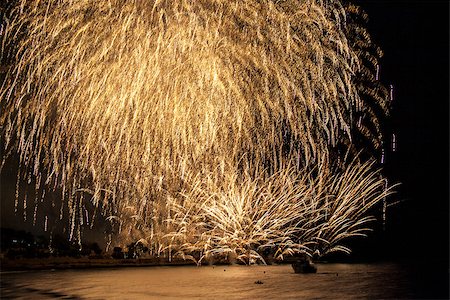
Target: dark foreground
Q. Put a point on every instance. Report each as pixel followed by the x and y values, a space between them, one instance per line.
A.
pixel 332 281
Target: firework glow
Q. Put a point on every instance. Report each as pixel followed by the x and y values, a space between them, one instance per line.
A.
pixel 202 129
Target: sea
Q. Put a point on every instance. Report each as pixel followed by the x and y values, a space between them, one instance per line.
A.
pixel 332 281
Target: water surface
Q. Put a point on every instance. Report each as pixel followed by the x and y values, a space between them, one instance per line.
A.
pixel 333 281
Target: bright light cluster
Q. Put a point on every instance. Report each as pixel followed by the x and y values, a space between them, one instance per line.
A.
pixel 200 127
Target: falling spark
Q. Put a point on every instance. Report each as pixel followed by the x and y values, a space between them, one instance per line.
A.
pixel 16 199
pixel 86 212
pixel 386 188
pixel 394 142
pixel 25 207
pixel 35 214
pixel 391 92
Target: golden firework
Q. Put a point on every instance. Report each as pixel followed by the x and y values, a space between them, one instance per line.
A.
pixel 154 110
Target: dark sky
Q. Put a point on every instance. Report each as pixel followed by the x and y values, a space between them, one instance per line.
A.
pixel 415 38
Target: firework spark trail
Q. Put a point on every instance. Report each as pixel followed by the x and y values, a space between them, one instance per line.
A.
pixel 291 214
pixel 139 102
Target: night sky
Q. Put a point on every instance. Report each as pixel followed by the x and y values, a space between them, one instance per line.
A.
pixel 415 38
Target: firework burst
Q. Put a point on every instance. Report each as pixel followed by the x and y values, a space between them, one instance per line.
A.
pixel 192 124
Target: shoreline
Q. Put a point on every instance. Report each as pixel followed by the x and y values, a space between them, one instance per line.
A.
pixel 66 263
pixel 72 263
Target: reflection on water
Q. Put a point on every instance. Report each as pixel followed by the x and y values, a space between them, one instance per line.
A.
pixel 333 281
